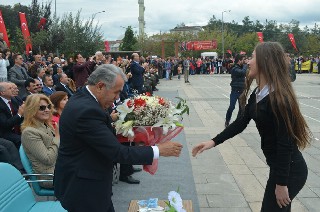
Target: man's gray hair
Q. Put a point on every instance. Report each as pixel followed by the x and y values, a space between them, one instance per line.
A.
pixel 107 73
pixel 98 53
pixel 3 86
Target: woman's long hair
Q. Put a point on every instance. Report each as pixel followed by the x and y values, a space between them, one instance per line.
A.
pixel 272 63
pixel 31 108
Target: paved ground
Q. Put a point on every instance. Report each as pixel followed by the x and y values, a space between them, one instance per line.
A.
pixel 232 176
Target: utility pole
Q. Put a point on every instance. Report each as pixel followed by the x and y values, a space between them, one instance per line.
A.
pixel 223 34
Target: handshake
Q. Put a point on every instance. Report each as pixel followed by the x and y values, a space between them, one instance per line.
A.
pixel 169 148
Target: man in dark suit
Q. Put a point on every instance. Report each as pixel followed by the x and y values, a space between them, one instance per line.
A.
pixel 88 147
pixel 18 74
pixel 15 92
pixel 11 115
pixel 31 88
pixel 137 72
pixel 47 85
pixel 63 85
pixel 10 154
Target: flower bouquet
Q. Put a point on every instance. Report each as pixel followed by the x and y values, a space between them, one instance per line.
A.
pixel 151 120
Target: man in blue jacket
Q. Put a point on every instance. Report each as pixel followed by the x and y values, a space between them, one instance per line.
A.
pixel 137 72
pixel 238 75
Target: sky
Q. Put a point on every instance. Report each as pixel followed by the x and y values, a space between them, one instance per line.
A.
pixel 163 15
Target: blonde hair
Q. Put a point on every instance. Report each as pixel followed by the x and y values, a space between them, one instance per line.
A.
pixel 31 108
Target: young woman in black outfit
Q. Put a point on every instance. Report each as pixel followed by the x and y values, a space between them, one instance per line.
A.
pixel 283 130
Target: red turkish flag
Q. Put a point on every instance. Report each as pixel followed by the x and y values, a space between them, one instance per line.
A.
pixel 260 36
pixel 293 42
pixel 4 30
pixel 106 46
pixel 42 23
pixel 229 51
pixel 25 31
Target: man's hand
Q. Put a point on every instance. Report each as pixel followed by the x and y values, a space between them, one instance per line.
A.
pixel 114 115
pixel 170 148
pixel 202 146
pixel 282 196
pixel 21 110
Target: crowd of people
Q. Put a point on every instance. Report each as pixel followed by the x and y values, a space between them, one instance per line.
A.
pixel 34 90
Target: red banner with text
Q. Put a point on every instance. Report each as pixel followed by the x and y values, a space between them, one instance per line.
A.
pixel 3 30
pixel 25 32
pixel 200 45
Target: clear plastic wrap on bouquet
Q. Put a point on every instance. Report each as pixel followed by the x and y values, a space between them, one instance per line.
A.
pixel 151 136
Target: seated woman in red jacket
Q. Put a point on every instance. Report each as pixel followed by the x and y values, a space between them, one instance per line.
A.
pixel 59 100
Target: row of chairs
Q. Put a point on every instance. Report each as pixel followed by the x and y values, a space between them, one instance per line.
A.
pixel 16 194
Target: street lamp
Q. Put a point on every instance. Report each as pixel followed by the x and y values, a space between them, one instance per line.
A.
pixel 55 8
pixel 94 15
pixel 223 34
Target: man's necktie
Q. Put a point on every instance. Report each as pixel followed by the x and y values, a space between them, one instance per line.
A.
pixel 24 74
pixel 16 128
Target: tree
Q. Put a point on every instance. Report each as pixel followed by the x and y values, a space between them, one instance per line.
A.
pixel 128 41
pixel 248 25
pixel 246 43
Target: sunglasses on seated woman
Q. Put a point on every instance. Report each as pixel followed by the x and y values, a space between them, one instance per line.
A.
pixel 43 107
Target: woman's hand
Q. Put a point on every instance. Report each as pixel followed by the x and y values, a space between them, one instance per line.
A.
pixel 202 146
pixel 56 130
pixel 282 195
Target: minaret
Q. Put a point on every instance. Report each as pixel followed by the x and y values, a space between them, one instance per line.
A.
pixel 141 17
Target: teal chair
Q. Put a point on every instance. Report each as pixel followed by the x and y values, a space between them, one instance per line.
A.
pixel 33 176
pixel 16 195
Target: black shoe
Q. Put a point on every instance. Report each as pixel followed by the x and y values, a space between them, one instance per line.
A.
pixel 129 180
pixel 188 82
pixel 226 124
pixel 136 169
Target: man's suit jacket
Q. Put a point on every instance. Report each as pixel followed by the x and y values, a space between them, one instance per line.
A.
pixel 137 72
pixel 17 77
pixel 88 149
pixel 7 120
pixel 60 87
pixel 47 91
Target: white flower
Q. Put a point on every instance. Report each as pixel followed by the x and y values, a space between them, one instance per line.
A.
pixel 123 109
pixel 124 128
pixel 127 129
pixel 175 200
pixel 173 110
pixel 167 123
